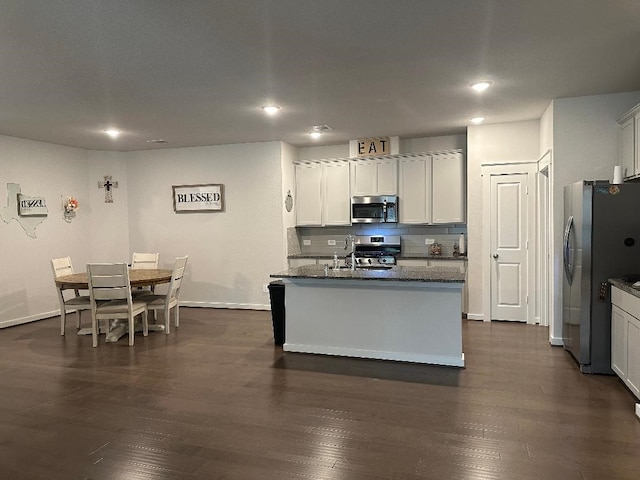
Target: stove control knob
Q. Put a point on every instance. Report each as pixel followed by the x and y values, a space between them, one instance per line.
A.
pixel 369 261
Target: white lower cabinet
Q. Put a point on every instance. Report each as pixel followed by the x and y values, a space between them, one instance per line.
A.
pixel 301 262
pixel 625 338
pixel 410 262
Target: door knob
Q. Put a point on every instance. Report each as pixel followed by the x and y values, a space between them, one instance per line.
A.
pixel 495 255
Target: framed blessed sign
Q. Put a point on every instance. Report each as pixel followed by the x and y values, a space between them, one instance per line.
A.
pixel 198 198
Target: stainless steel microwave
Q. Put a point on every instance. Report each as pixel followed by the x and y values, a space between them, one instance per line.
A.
pixel 374 209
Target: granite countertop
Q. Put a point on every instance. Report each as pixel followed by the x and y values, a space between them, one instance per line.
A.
pixel 398 257
pixel 626 286
pixel 396 273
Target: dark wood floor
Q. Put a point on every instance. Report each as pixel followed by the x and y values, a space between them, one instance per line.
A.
pixel 216 400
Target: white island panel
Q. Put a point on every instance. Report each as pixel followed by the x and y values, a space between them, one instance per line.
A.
pixel 390 320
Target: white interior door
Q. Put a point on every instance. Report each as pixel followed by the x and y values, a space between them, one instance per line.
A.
pixel 509 243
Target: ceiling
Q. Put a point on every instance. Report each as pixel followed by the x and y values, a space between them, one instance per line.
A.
pixel 197 72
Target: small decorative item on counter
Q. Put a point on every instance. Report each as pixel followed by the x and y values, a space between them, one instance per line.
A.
pixel 456 250
pixel 70 207
pixel 435 250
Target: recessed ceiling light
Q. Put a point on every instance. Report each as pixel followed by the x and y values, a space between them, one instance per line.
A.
pixel 318 130
pixel 271 109
pixel 477 120
pixel 112 132
pixel 481 86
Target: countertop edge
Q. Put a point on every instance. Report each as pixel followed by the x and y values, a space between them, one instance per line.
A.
pixel 625 286
pixel 400 257
pixel 397 274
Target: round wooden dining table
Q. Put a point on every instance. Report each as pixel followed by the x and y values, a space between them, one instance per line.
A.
pixel 137 278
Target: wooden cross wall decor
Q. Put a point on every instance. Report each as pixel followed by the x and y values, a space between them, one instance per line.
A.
pixel 108 185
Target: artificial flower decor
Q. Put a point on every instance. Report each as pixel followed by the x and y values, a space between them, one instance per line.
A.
pixel 70 206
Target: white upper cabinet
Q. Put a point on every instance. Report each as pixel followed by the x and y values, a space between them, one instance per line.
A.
pixel 630 143
pixel 448 199
pixel 432 189
pixel 322 191
pixel 308 194
pixel 414 204
pixel 336 201
pixel 375 176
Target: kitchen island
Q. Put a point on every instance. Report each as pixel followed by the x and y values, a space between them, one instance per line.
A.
pixel 410 314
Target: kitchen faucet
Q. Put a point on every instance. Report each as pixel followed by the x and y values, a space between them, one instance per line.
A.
pixel 351 238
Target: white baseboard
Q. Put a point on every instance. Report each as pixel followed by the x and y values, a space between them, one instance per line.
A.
pixel 29 319
pixel 556 341
pixel 239 306
pixel 475 316
pixel 376 354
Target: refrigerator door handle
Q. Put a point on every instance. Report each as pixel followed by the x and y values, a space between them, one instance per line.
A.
pixel 566 251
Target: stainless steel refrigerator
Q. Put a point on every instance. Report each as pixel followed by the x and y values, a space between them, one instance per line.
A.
pixel 601 241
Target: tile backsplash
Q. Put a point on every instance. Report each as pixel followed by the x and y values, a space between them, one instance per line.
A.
pixel 315 240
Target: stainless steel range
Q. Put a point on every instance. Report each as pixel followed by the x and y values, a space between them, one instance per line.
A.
pixel 377 249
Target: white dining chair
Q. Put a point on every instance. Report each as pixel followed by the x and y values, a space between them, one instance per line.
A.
pixel 77 303
pixel 172 298
pixel 111 299
pixel 145 261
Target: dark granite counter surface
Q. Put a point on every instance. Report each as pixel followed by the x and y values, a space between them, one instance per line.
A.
pixel 626 286
pixel 399 257
pixel 396 273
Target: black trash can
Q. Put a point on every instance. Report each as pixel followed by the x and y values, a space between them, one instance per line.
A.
pixel 276 293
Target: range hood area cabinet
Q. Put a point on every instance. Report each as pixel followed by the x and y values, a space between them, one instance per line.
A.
pixel 630 143
pixel 432 189
pixel 322 191
pixel 374 176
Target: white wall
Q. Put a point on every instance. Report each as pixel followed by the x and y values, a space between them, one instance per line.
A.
pixel 321 152
pixel 498 143
pixel 27 291
pixel 108 222
pixel 433 144
pixel 231 253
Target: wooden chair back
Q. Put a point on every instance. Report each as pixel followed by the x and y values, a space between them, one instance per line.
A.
pixel 61 266
pixel 176 277
pixel 109 281
pixel 145 260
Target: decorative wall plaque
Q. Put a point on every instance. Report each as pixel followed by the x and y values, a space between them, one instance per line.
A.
pixel 368 147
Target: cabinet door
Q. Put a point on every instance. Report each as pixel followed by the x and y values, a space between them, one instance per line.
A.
pixel 374 177
pixel 364 177
pixel 415 190
pixel 387 176
pixel 309 194
pixel 448 189
pixel 628 148
pixel 619 341
pixel 633 356
pixel 336 202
